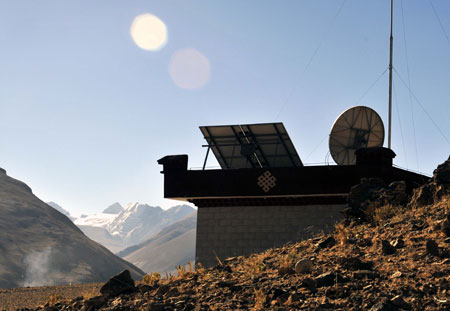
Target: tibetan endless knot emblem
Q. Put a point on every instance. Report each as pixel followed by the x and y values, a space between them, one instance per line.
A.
pixel 267 181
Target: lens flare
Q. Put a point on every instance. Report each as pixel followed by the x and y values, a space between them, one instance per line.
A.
pixel 148 32
pixel 189 69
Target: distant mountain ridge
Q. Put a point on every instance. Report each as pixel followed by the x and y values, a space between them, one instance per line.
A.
pixel 40 245
pixel 173 246
pixel 117 228
pixel 115 208
pixel 138 222
pixel 60 209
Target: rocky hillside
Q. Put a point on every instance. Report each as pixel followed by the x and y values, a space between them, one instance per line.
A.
pixel 173 246
pixel 395 257
pixel 39 245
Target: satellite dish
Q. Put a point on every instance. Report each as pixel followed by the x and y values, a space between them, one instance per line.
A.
pixel 357 127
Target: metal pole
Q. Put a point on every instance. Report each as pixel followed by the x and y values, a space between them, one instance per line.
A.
pixel 206 158
pixel 391 52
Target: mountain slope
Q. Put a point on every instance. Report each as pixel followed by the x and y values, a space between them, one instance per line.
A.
pixel 173 246
pixel 117 228
pixel 115 208
pixel 139 222
pixel 60 209
pixel 95 227
pixel 39 245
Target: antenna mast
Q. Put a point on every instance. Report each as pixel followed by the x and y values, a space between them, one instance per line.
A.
pixel 391 51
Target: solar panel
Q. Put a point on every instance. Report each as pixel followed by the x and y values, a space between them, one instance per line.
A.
pixel 251 145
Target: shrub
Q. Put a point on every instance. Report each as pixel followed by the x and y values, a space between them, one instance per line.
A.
pixel 151 278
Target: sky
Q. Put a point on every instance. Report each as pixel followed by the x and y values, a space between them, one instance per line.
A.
pixel 93 93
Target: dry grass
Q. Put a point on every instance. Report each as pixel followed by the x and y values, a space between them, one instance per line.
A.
pixel 260 299
pixel 255 263
pixel 90 293
pixel 342 233
pixel 151 278
pixel 181 271
pixel 53 299
pixel 380 214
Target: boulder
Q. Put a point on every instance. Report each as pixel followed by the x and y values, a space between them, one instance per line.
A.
pixel 329 279
pixel 387 248
pixel 441 175
pixel 435 189
pixel 119 284
pixel 354 263
pixel 304 266
pixel 432 247
pixel 423 195
pixel 373 193
pixel 446 226
pixel 326 242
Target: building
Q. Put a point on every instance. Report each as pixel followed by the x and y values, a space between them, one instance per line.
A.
pixel 263 196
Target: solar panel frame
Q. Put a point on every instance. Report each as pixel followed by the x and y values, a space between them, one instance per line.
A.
pixel 251 145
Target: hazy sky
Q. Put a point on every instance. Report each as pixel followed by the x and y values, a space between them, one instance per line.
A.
pixel 86 111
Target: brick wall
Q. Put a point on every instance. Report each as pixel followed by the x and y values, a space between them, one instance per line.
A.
pixel 241 230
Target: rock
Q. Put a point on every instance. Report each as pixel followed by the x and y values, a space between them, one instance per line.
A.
pixel 173 292
pixel 360 195
pixel 304 266
pixel 275 293
pixel 224 284
pixel 2 171
pixel 162 290
pixel 118 284
pixel 396 274
pixel 328 242
pixel 384 306
pixel 387 248
pixel 399 243
pixel 354 263
pixel 396 193
pixel 417 225
pixel 328 279
pixel 400 303
pixel 94 303
pixel 444 253
pixel 441 175
pixel 144 288
pixel 422 196
pixel 365 242
pixel 365 274
pixel 432 247
pixel 309 283
pixel 373 193
pixel 285 271
pixel 446 226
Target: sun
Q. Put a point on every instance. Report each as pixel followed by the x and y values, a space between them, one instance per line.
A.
pixel 148 32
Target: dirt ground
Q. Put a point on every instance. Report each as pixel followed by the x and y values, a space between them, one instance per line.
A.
pixel 32 297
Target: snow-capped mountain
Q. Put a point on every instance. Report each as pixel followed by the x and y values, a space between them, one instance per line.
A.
pixel 173 246
pixel 101 220
pixel 116 208
pixel 117 228
pixel 138 222
pixel 60 209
